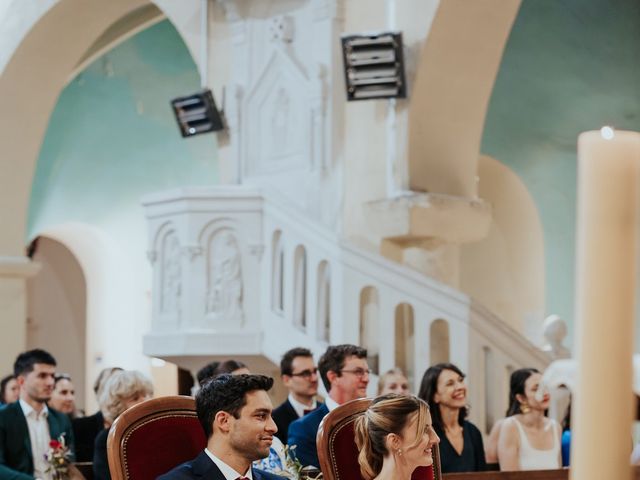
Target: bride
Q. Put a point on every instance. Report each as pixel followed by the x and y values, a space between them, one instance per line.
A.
pixel 394 436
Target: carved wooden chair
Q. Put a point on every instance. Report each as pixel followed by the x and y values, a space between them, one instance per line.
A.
pixel 337 451
pixel 153 437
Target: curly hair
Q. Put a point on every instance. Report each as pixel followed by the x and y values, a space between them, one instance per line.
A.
pixel 226 393
pixel 386 414
pixel 333 360
pixel 118 388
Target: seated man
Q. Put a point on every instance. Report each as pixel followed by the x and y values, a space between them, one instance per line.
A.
pixel 345 375
pixel 27 426
pixel 300 376
pixel 235 413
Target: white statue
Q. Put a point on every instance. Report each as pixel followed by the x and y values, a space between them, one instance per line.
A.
pixel 224 292
pixel 555 331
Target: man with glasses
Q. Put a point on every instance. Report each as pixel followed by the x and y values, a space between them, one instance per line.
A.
pixel 300 375
pixel 345 375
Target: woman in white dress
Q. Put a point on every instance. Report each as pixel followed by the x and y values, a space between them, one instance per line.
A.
pixel 528 439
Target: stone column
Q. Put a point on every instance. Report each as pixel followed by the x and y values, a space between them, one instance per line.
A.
pixel 14 272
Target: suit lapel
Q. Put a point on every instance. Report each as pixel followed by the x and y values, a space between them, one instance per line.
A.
pixel 204 467
pixel 22 429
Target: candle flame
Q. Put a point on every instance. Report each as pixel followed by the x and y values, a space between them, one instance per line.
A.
pixel 607 132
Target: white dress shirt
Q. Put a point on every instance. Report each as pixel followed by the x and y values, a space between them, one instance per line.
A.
pixel 301 407
pixel 39 436
pixel 228 472
pixel 331 403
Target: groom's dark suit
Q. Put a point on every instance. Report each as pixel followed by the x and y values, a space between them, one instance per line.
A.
pixel 202 467
pixel 16 457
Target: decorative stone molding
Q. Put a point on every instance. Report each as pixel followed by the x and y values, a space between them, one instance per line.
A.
pixel 18 267
pixel 423 216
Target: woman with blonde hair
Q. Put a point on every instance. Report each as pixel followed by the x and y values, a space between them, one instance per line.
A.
pixel 394 436
pixel 121 391
pixel 393 381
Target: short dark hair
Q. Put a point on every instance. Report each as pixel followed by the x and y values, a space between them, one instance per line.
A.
pixel 333 360
pixel 206 372
pixel 286 364
pixel 429 388
pixel 3 385
pixel 226 393
pixel 26 360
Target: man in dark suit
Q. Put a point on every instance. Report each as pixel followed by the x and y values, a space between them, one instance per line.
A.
pixel 345 375
pixel 235 413
pixel 300 375
pixel 28 425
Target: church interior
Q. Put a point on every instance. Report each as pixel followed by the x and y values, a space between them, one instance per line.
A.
pixel 435 226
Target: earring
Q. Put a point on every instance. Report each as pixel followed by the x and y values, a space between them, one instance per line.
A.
pixel 399 452
pixel 524 408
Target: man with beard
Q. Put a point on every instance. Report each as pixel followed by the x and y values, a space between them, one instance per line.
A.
pixel 28 425
pixel 235 413
pixel 300 376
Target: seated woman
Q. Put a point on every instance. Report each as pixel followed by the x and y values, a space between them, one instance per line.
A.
pixel 393 381
pixel 9 390
pixel 121 391
pixel 394 437
pixel 528 439
pixel 461 447
pixel 63 397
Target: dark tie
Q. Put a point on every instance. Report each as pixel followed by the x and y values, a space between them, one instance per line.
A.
pixel 242 478
pixel 307 410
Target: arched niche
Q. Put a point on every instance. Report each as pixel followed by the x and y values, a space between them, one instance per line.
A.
pixel 57 309
pixel 370 325
pixel 439 343
pixel 405 339
pixel 300 287
pixel 323 309
pixel 277 272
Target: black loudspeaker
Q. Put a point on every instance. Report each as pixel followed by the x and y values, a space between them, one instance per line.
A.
pixel 197 113
pixel 374 66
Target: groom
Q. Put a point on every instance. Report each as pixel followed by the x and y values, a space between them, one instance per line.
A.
pixel 235 413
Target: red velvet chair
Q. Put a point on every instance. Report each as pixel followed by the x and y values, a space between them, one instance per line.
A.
pixel 337 451
pixel 154 436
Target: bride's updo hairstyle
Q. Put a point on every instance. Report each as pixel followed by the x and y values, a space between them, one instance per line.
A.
pixel 386 414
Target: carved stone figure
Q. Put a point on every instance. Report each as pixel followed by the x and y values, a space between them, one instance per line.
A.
pixel 555 331
pixel 224 286
pixel 171 274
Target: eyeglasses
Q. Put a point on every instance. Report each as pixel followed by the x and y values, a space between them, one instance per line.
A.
pixel 358 372
pixel 306 374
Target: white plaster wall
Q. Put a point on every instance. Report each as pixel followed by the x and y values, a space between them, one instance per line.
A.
pixel 56 311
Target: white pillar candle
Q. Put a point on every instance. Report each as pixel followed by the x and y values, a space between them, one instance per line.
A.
pixel 608 169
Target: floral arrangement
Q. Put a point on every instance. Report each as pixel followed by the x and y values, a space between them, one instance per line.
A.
pixel 59 458
pixel 294 469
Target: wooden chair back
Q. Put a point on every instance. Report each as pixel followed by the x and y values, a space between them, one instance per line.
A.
pixel 337 451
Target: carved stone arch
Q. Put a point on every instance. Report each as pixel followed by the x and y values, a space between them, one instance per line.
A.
pixel 370 325
pixel 49 40
pixel 169 271
pixel 223 263
pixel 439 342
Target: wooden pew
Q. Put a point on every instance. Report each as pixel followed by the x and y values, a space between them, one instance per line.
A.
pixel 561 474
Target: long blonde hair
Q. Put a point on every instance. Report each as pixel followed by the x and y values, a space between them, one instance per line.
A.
pixel 386 414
